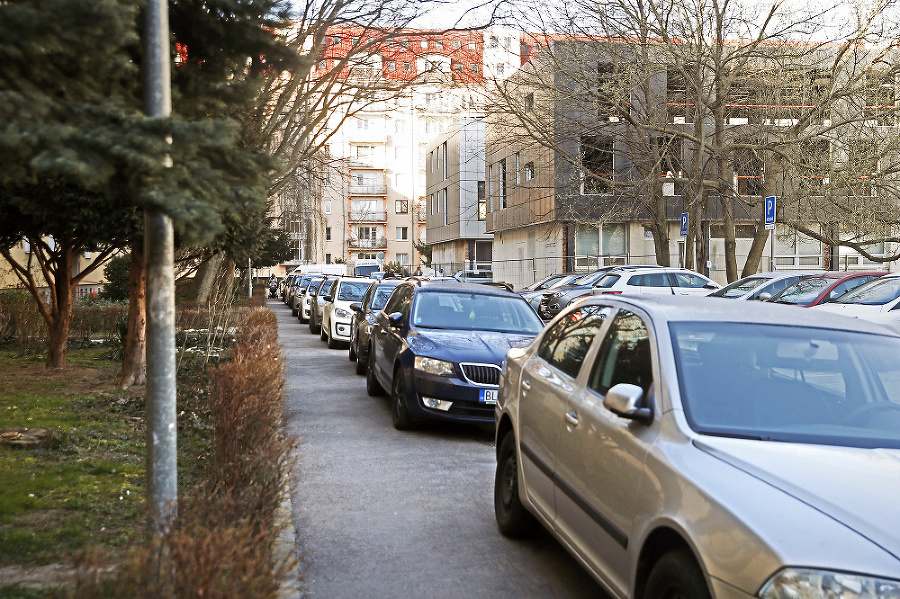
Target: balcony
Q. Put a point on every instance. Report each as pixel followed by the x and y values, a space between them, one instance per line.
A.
pixel 369 244
pixel 368 216
pixel 377 189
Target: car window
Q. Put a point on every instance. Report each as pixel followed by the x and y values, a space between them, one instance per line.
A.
pixel 608 281
pixel 567 342
pixel 739 288
pixel 776 286
pixel 686 279
pixel 874 293
pixel 314 286
pixel 624 356
pixel 380 297
pixel 352 291
pixel 656 279
pixel 848 285
pixel 804 291
pixel 400 300
pixel 789 383
pixel 475 312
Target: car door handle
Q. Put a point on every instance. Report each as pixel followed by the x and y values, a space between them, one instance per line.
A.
pixel 526 384
pixel 572 418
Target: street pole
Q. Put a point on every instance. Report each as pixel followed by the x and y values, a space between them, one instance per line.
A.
pixel 159 243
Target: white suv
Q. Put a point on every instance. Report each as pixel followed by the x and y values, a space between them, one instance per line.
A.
pixel 336 312
pixel 673 281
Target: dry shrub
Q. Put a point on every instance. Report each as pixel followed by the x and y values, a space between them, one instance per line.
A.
pixel 98 322
pixel 221 545
pixel 21 324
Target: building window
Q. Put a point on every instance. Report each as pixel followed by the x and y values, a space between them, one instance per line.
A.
pixel 355 40
pixel 482 202
pixel 493 42
pixel 407 66
pixel 458 67
pixel 490 188
pixel 423 44
pixel 392 65
pixel 518 169
pixel 748 173
pixel 500 68
pixel 602 245
pixel 401 206
pixel 444 158
pixel 796 249
pixel 597 164
pixel 402 233
pixel 404 43
pixel 327 258
pixel 529 102
pixel 474 68
pixel 362 124
pixel 501 183
pixel 529 171
pixel 457 44
pixel 439 44
pixel 327 206
pixel 446 208
pixel 403 259
pixel 327 233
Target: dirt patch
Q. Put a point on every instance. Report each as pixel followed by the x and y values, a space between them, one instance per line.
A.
pixel 78 379
pixel 37 577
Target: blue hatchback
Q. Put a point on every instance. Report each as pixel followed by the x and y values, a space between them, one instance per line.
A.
pixel 439 347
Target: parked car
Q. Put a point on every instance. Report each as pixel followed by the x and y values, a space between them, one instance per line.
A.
pixel 667 281
pixel 877 301
pixel 548 281
pixel 761 286
pixel 308 294
pixel 822 288
pixel 301 282
pixel 681 448
pixel 336 313
pixel 474 276
pixel 438 349
pixel 317 303
pixel 364 313
pixel 285 287
pixel 554 300
pixel 534 297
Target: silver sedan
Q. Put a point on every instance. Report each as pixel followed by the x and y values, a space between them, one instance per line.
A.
pixel 683 448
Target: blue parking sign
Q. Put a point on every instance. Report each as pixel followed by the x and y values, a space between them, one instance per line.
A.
pixel 684 224
pixel 770 212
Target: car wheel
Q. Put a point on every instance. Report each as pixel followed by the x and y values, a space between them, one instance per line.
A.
pixel 373 387
pixel 676 576
pixel 399 412
pixel 361 367
pixel 513 519
pixel 312 322
pixel 323 330
pixel 293 310
pixel 351 353
pixel 332 342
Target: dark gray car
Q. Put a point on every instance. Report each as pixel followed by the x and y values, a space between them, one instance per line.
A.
pixel 364 313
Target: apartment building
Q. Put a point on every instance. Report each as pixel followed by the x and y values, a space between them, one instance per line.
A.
pixel 373 198
pixel 455 199
pixel 589 202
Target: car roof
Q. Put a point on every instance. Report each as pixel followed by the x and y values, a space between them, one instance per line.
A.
pixel 681 308
pixel 460 287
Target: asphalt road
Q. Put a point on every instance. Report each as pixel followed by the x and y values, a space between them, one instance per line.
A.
pixel 382 513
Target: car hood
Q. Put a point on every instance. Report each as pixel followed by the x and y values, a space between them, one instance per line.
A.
pixel 466 346
pixel 856 487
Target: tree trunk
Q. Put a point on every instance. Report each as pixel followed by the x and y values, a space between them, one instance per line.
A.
pixel 134 358
pixel 751 266
pixel 63 296
pixel 206 277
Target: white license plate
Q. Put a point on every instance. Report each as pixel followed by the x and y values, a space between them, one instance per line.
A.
pixel 488 396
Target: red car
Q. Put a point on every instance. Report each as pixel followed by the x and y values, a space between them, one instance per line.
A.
pixel 822 288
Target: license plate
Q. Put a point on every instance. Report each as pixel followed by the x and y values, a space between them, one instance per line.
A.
pixel 488 396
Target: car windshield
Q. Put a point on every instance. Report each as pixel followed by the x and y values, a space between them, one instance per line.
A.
pixel 804 291
pixel 352 291
pixel 873 293
pixel 475 312
pixel 380 297
pixel 568 280
pixel 739 288
pixel 789 383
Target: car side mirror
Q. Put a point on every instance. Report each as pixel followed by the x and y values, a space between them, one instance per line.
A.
pixel 395 319
pixel 624 400
pixel 712 286
pixel 356 307
pixel 326 298
pixel 764 297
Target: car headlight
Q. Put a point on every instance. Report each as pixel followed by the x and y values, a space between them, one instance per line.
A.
pixel 793 583
pixel 341 313
pixel 434 366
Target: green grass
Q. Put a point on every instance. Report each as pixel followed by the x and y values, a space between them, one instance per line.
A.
pixel 88 486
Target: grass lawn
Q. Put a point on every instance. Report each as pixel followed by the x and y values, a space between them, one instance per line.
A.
pixel 88 486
